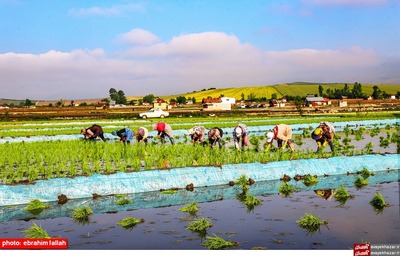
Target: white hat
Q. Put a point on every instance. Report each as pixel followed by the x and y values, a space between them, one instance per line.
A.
pixel 270 136
pixel 238 131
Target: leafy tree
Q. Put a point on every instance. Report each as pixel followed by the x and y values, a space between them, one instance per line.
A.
pixel 242 96
pixel 251 97
pixel 320 90
pixel 194 100
pixel 357 91
pixel 121 97
pixel 274 96
pixel 113 94
pixel 346 90
pixel 28 103
pixel 181 99
pixel 149 98
pixel 377 93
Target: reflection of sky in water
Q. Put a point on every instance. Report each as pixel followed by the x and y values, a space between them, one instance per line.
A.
pixel 254 130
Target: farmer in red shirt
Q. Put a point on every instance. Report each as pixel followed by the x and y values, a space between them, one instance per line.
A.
pixel 163 130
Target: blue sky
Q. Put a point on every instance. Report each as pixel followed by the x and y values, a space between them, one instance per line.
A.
pixel 80 49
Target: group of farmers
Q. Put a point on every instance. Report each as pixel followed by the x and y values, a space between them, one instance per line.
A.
pixel 282 133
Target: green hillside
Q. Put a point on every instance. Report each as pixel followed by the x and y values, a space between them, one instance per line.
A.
pixel 293 89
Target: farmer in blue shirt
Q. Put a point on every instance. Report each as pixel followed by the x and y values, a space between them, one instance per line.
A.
pixel 125 134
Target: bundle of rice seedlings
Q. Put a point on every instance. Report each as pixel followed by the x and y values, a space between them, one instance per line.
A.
pixel 360 182
pixel 36 206
pixel 123 200
pixel 310 180
pixel 35 232
pixel 218 243
pixel 190 208
pixel 81 214
pixel 378 202
pixel 251 200
pixel 342 195
pixel 129 222
pixel 286 189
pixel 200 225
pixel 311 223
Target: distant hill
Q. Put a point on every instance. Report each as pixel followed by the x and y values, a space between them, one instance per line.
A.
pixel 293 89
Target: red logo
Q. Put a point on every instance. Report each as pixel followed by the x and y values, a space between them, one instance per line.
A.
pixel 362 249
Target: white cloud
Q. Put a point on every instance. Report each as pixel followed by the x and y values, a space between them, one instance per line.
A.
pixel 360 3
pixel 106 11
pixel 138 37
pixel 185 63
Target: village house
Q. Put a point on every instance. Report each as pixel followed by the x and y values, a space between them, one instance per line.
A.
pixel 161 104
pixel 313 101
pixel 223 103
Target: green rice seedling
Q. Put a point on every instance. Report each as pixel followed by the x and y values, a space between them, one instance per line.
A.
pixel 35 207
pixel 169 191
pixel 251 201
pixel 310 180
pixel 383 142
pixel 310 223
pixel 129 222
pixel 368 148
pixel 81 214
pixel 200 226
pixel 190 208
pixel 123 200
pixel 255 142
pixel 217 243
pixel 286 189
pixel 360 182
pixel 243 182
pixel 342 195
pixel 365 173
pixel 394 138
pixel 378 202
pixel 35 232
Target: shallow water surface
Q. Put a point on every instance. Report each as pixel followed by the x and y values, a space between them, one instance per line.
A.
pixel 271 225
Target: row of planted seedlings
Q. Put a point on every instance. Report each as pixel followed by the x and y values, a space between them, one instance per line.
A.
pixel 27 162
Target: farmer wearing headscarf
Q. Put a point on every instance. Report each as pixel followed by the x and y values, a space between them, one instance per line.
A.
pixel 240 136
pixel 323 135
pixel 163 130
pixel 93 132
pixel 125 135
pixel 282 133
pixel 215 136
pixel 141 135
pixel 197 134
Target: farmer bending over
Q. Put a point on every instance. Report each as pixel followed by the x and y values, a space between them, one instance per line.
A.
pixel 215 136
pixel 125 135
pixel 141 135
pixel 240 136
pixel 163 130
pixel 323 135
pixel 93 132
pixel 197 134
pixel 282 133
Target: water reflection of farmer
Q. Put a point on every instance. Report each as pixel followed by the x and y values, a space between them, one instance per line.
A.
pixel 125 135
pixel 93 132
pixel 324 135
pixel 327 194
